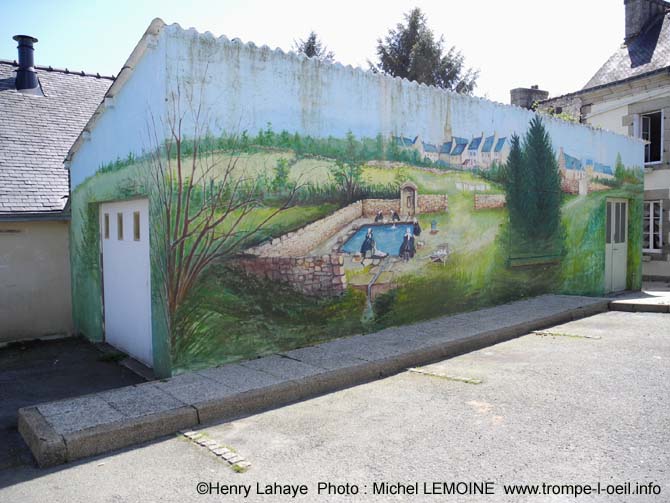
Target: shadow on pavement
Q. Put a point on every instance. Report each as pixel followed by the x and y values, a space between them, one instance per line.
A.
pixel 33 372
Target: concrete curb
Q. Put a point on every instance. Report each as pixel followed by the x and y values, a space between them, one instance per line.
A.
pixel 47 446
pixel 638 307
pixel 109 437
pixel 52 448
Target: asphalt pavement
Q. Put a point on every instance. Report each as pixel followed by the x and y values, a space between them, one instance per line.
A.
pixel 573 406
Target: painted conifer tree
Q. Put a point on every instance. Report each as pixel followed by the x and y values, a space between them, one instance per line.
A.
pixel 544 217
pixel 516 185
pixel 534 184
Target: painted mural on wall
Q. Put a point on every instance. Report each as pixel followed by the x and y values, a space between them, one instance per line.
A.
pixel 265 239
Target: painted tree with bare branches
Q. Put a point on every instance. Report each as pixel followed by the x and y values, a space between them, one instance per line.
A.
pixel 204 207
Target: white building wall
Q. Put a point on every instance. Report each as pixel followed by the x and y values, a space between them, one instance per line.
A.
pixel 609 118
pixel 124 127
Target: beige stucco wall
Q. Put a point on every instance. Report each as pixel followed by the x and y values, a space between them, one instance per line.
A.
pixel 34 280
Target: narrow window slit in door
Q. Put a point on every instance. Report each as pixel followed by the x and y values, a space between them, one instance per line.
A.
pixel 136 225
pixel 119 226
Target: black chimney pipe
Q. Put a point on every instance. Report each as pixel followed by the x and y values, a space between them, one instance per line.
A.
pixel 26 78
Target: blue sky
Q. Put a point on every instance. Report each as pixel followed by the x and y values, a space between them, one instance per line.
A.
pixel 513 43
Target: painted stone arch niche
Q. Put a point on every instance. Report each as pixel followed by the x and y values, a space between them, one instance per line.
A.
pixel 409 193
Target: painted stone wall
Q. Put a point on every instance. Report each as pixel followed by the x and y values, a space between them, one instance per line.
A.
pixel 430 203
pixel 387 206
pixel 321 276
pixel 489 201
pixel 299 243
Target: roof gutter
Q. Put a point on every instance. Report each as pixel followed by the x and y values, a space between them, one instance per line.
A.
pixel 54 216
pixel 610 84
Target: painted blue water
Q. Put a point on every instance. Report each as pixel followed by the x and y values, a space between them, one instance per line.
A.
pixel 388 239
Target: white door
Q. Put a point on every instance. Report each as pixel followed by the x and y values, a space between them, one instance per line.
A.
pixel 124 228
pixel 616 245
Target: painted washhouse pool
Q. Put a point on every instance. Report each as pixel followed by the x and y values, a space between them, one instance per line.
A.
pixel 388 238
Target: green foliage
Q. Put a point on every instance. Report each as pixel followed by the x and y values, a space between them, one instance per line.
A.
pixel 497 173
pixel 551 111
pixel 584 264
pixel 347 173
pixel 517 183
pixel 347 178
pixel 312 47
pixel 471 280
pixel 362 149
pixel 232 316
pixel 282 172
pixel 619 169
pixel 541 164
pixel 411 51
pixel 534 185
pixel 85 239
pixel 631 176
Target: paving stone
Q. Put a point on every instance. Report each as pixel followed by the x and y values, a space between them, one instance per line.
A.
pixel 68 405
pixel 180 380
pixel 282 367
pixel 318 356
pixel 239 378
pixel 140 400
pixel 346 347
pixel 88 413
pixel 129 431
pixel 195 389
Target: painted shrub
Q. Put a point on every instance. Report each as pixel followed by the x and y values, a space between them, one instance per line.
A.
pixel 263 168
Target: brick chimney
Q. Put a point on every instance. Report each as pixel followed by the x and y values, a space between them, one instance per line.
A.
pixel 639 13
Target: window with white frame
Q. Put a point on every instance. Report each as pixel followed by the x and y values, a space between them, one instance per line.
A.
pixel 653 226
pixel 651 130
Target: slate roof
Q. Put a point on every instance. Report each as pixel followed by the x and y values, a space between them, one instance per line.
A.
pixel 429 147
pixel 404 141
pixel 474 144
pixel 459 145
pixel 36 133
pixel 445 148
pixel 647 52
pixel 500 144
pixel 488 144
pixel 572 163
pixel 603 168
